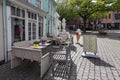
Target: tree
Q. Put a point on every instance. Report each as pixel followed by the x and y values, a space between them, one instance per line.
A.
pixel 116 5
pixel 86 8
pixel 96 18
pixel 65 11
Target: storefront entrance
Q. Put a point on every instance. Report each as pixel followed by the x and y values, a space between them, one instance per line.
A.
pixel 18 29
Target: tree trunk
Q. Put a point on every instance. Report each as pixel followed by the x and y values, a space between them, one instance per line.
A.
pixel 84 26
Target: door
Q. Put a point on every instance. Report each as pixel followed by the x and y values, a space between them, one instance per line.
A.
pixel 32 30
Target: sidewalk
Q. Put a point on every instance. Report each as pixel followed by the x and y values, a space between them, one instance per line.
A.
pixel 105 68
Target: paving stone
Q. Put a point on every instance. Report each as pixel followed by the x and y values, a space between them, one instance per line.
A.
pixel 106 68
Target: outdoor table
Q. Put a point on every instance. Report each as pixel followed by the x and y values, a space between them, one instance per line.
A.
pixel 33 54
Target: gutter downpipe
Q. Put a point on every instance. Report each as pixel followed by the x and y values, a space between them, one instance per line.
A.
pixel 5 31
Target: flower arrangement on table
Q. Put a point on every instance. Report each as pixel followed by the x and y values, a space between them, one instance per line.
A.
pixel 36 44
pixel 43 42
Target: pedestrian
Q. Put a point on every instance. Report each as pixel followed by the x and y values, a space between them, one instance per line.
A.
pixel 78 34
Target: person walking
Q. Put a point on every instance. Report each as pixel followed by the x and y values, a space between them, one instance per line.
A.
pixel 78 34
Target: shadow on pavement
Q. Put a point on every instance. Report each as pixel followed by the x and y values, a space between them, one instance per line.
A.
pixel 73 48
pixel 81 45
pixel 99 62
pixel 61 72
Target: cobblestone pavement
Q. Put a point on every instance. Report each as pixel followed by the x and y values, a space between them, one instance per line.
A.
pixel 105 68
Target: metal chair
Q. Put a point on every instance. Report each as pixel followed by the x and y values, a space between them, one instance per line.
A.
pixel 60 55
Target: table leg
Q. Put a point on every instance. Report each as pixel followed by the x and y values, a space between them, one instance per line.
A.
pixel 15 62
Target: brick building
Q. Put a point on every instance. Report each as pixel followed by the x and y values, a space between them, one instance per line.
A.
pixel 112 21
pixel 76 22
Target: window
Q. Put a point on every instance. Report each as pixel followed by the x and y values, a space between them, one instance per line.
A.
pixel 12 10
pixel 23 13
pixel 35 17
pixel 39 4
pixel 31 30
pixel 28 14
pixel 109 16
pixel 40 26
pixel 32 15
pixel 34 31
pixel 18 29
pixel 117 16
pixel 17 12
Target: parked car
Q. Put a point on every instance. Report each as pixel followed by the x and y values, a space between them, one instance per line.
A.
pixel 102 31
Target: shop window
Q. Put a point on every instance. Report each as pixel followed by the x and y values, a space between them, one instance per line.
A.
pixel 18 29
pixel 31 30
pixel 34 30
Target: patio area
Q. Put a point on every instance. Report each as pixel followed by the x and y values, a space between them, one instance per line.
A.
pixel 105 68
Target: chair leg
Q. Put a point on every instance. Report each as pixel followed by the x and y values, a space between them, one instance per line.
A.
pixel 53 67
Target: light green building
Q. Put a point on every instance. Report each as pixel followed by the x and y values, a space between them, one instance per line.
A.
pixel 49 6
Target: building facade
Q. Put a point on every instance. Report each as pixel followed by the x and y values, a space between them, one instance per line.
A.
pixel 112 21
pixel 49 6
pixel 25 21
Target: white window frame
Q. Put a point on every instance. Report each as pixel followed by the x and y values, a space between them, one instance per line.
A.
pixel 40 26
pixel 31 31
pixel 18 17
pixel 15 12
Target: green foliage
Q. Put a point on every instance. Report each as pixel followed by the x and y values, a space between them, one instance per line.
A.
pixel 87 9
pixel 90 10
pixel 98 16
pixel 65 11
pixel 116 5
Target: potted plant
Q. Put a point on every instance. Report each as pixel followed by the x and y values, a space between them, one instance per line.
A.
pixel 36 44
